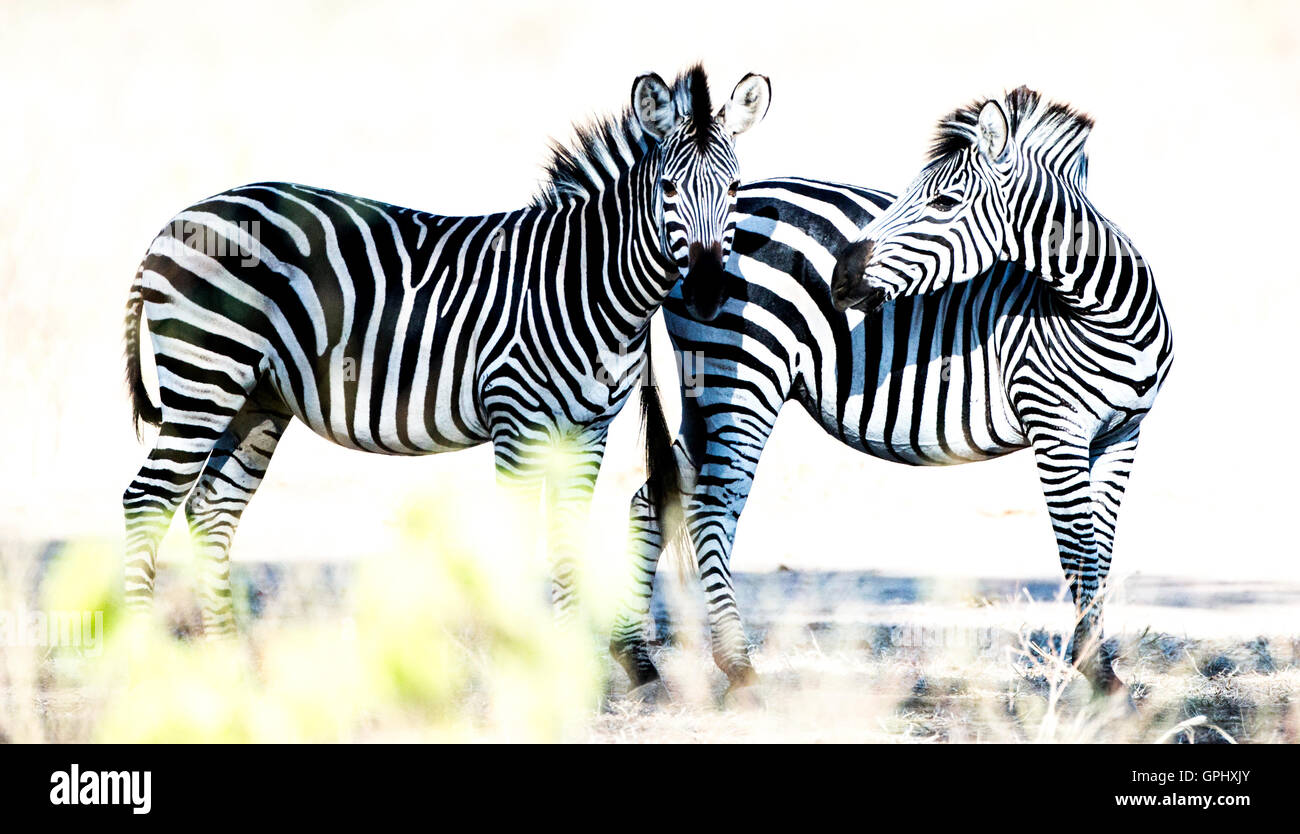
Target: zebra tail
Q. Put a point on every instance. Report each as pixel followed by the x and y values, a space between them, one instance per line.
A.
pixel 142 408
pixel 663 478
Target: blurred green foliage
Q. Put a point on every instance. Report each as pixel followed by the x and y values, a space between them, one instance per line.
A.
pixel 452 638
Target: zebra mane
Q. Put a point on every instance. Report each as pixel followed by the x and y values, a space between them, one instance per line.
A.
pixel 605 148
pixel 1036 125
pixel 691 99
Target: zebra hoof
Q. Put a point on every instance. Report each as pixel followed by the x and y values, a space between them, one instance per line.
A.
pixel 1112 695
pixel 1126 705
pixel 653 693
pixel 743 696
pixel 1105 683
pixel 1118 697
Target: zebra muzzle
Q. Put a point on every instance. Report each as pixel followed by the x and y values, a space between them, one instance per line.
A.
pixel 704 285
pixel 850 286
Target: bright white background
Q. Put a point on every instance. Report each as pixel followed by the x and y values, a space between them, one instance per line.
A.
pixel 116 116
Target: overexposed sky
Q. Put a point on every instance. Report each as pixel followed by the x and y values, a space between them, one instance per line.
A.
pixel 116 116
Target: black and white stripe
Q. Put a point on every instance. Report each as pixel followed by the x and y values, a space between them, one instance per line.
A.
pixel 397 331
pixel 983 334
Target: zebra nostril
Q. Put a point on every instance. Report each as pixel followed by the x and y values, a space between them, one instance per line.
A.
pixel 850 266
pixel 697 250
pixel 872 301
pixel 858 256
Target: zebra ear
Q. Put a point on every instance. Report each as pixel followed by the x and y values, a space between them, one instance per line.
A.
pixel 652 102
pixel 993 130
pixel 748 105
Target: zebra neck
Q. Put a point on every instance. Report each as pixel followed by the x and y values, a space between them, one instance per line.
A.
pixel 638 274
pixel 1090 266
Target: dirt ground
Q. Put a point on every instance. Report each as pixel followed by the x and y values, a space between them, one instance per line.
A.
pixel 859 657
pixel 842 657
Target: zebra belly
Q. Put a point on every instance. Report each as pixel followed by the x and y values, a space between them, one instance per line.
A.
pixel 390 441
pixel 929 450
pixel 927 384
pixel 929 431
pixel 409 398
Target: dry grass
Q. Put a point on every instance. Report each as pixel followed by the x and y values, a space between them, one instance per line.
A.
pixel 853 682
pixel 437 647
pixel 864 693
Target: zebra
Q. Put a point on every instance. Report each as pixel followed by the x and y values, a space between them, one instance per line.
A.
pixel 401 332
pixel 954 324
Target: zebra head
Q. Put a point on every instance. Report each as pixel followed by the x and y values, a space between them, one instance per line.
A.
pixel 1005 181
pixel 951 224
pixel 697 176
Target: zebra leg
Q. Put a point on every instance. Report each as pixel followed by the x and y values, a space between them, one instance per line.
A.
pixel 1111 463
pixel 170 472
pixel 736 437
pixel 151 499
pixel 712 520
pixel 521 480
pixel 570 483
pixel 1063 470
pixel 628 638
pixel 627 641
pixel 226 485
pixel 198 405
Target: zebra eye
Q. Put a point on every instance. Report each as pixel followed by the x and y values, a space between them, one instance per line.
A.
pixel 944 203
pixel 735 186
pixel 670 190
